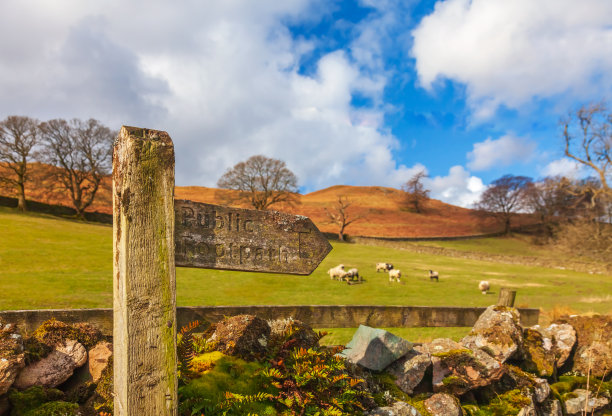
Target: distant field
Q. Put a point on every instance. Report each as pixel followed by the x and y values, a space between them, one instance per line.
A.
pixel 512 246
pixel 46 262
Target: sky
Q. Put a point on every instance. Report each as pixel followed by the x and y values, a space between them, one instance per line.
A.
pixel 357 92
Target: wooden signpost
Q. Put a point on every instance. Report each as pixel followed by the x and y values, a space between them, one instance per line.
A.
pixel 152 234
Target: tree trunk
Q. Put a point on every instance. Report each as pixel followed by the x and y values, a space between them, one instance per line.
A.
pixel 21 204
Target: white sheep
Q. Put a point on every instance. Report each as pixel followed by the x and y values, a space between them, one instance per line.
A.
pixel 484 286
pixel 385 267
pixel 337 272
pixel 353 274
pixel 433 276
pixel 395 274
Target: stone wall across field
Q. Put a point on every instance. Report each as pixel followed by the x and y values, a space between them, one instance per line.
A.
pixel 317 316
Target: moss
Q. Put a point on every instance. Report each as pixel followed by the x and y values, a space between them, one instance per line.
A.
pixel 24 401
pixel 203 363
pixel 508 404
pixel 54 332
pixel 229 374
pixel 55 409
pixel 387 386
pixel 536 360
pixel 567 384
pixel 35 350
pixel 104 389
pixel 452 381
pixel 419 404
pixel 453 353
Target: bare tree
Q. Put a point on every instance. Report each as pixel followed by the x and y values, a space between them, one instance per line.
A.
pixel 588 140
pixel 18 140
pixel 261 181
pixel 339 215
pixel 81 151
pixel 553 199
pixel 504 198
pixel 416 192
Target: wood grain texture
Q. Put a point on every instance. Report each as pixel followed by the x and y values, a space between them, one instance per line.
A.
pixel 217 237
pixel 506 297
pixel 144 310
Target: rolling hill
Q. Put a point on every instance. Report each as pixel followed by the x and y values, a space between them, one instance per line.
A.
pixel 383 211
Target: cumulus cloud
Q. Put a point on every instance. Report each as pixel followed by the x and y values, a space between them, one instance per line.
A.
pixel 504 151
pixel 222 78
pixel 564 167
pixel 459 187
pixel 508 52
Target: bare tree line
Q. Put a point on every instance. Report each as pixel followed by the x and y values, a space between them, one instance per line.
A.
pixel 79 152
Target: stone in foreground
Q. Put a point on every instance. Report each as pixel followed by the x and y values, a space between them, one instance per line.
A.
pixel 245 336
pixel 441 404
pixel 398 409
pixel 585 400
pixel 409 370
pixel 374 348
pixel 55 368
pixel 12 358
pixel 497 331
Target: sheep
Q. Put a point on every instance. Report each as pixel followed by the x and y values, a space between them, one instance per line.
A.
pixel 337 272
pixel 385 267
pixel 395 274
pixel 484 287
pixel 353 274
pixel 433 276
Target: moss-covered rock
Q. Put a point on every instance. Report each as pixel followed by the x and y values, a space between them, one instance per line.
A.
pixel 497 332
pixel 537 353
pixel 245 336
pixel 54 332
pixel 12 357
pixel 459 371
pixel 25 401
pixel 593 350
pixel 59 408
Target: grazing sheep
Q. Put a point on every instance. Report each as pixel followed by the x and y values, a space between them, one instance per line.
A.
pixel 395 274
pixel 385 267
pixel 337 272
pixel 353 274
pixel 433 276
pixel 484 287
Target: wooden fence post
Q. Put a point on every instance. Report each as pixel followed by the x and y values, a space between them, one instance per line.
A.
pixel 506 297
pixel 144 285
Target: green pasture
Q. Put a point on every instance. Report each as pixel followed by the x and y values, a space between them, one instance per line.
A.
pixel 48 262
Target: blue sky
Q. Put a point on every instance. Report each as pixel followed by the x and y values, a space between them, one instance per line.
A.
pixel 346 92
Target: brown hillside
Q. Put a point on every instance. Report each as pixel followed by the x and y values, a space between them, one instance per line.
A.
pixel 383 211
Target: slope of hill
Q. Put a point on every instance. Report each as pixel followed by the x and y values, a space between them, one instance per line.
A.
pixel 382 210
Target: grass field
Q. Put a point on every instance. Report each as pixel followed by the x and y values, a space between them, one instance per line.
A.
pixel 47 262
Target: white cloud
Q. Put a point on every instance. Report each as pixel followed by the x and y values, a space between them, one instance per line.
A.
pixel 564 167
pixel 457 188
pixel 508 52
pixel 222 78
pixel 501 152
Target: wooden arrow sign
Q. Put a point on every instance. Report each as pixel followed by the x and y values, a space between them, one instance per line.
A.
pixel 216 237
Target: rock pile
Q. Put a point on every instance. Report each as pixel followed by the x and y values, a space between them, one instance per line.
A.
pixel 499 364
pixel 499 368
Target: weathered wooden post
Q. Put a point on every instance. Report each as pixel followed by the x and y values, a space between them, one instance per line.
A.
pixel 144 333
pixel 506 297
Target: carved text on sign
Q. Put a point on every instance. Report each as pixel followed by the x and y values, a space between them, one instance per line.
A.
pixel 219 237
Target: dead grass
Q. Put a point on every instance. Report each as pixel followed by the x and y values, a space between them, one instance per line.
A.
pixel 383 209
